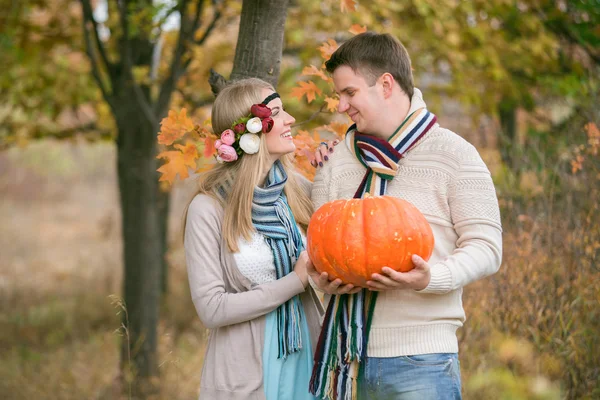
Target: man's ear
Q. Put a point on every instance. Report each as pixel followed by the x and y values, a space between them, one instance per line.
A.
pixel 387 81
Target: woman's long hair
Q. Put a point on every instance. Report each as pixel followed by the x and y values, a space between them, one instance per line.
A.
pixel 232 102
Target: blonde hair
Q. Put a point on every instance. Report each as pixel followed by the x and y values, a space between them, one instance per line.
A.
pixel 233 102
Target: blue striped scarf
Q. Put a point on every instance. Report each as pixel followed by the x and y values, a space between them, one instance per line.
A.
pixel 343 341
pixel 273 218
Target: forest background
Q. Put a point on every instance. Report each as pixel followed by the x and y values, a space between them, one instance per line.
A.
pixel 89 310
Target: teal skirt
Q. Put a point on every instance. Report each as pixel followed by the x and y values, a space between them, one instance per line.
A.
pixel 286 379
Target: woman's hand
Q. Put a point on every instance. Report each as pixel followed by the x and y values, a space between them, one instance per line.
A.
pixel 301 267
pixel 331 287
pixel 322 152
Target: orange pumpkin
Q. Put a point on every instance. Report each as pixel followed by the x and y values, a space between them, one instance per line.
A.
pixel 352 239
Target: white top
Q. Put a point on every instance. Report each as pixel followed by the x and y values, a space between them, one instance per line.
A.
pixel 255 259
pixel 445 178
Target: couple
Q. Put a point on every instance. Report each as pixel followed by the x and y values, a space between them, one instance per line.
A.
pixel 252 282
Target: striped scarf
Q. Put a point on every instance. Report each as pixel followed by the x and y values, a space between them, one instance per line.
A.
pixel 273 218
pixel 343 341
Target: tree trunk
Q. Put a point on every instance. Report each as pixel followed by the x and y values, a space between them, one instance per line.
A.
pixel 143 236
pixel 163 220
pixel 260 40
pixel 507 112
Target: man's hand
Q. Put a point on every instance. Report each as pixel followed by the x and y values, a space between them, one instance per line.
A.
pixel 331 287
pixel 322 152
pixel 416 279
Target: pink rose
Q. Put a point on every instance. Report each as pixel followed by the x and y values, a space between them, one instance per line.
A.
pixel 267 124
pixel 218 143
pixel 260 111
pixel 240 128
pixel 228 137
pixel 227 153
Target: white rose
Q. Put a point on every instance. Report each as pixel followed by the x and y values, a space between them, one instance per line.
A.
pixel 250 143
pixel 219 160
pixel 254 125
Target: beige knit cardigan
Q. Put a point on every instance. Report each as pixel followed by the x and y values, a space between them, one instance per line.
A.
pixel 233 309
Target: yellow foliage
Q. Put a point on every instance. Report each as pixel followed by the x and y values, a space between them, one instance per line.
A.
pixel 174 126
pixel 356 29
pixel 332 103
pixel 312 70
pixel 177 164
pixel 306 144
pixel 308 89
pixel 178 128
pixel 348 5
pixel 328 48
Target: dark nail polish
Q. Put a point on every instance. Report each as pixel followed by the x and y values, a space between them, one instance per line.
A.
pixel 326 158
pixel 320 164
pixel 331 149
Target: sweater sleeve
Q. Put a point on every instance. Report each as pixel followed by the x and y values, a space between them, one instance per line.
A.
pixel 476 218
pixel 214 305
pixel 320 192
pixel 304 183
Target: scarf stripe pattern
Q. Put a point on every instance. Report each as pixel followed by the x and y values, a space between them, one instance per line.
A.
pixel 380 157
pixel 343 341
pixel 273 218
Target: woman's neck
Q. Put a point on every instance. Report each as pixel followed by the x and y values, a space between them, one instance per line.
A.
pixel 263 176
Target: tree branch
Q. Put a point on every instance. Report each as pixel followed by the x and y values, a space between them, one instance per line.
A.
pixel 206 34
pixel 125 44
pixel 186 33
pixel 94 64
pixel 165 17
pixel 210 27
pixel 313 116
pixel 216 82
pixel 196 103
pixel 127 64
pixel 88 16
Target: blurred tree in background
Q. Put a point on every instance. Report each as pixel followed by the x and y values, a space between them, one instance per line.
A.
pixel 137 77
pixel 110 70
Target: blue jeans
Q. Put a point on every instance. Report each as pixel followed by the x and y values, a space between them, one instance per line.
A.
pixel 419 377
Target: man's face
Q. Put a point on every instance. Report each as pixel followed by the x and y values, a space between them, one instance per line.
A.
pixel 360 101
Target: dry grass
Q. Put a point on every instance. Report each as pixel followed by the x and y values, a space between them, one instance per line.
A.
pixel 531 331
pixel 60 259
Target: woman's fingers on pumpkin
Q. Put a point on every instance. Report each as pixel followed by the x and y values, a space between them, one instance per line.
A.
pixel 322 280
pixel 333 286
pixel 346 289
pixel 335 283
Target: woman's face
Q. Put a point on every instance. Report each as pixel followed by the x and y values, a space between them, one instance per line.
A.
pixel 279 139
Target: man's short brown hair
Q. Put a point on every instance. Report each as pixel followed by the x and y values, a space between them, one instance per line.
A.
pixel 373 54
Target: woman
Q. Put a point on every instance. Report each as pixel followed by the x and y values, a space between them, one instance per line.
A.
pixel 246 262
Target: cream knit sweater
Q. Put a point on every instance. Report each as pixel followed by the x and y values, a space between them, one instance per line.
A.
pixel 445 178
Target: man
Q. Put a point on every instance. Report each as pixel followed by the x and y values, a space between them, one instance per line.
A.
pixel 410 348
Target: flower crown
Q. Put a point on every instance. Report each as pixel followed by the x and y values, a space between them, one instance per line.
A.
pixel 243 135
